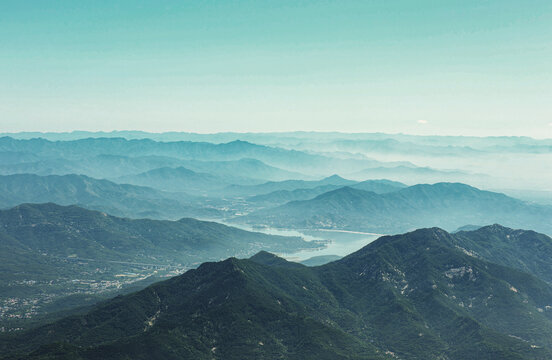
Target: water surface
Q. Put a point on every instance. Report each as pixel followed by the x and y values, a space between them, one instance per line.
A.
pixel 339 242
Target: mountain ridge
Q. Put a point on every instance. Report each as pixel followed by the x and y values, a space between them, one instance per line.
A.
pixel 447 205
pixel 413 295
pixel 98 194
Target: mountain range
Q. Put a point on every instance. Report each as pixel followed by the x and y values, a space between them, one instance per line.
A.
pixel 292 161
pixel 117 199
pixel 242 171
pixel 409 159
pixel 103 254
pixel 447 205
pixel 286 185
pixel 48 252
pixel 279 197
pixel 418 295
pixel 396 142
pixel 71 230
pixel 177 179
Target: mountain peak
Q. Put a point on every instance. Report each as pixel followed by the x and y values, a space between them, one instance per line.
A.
pixel 336 180
pixel 496 228
pixel 239 143
pixel 269 259
pixel 333 177
pixel 444 186
pixel 410 241
pixel 345 192
pixel 486 229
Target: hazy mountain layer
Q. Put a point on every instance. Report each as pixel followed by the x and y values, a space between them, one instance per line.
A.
pixel 116 199
pixel 518 143
pixel 289 160
pixel 447 205
pixel 177 179
pixel 280 197
pixel 243 171
pixel 286 185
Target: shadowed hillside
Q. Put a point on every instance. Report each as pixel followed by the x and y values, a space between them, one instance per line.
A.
pixel 416 295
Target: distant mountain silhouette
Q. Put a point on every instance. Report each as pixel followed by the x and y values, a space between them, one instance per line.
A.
pixel 448 205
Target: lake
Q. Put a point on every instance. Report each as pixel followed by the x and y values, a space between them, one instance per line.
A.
pixel 340 242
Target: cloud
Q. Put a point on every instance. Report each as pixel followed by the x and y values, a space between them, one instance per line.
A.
pixel 423 122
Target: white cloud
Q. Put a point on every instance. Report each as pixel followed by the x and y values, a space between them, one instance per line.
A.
pixel 423 122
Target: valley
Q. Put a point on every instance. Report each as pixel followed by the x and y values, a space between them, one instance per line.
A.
pixel 88 223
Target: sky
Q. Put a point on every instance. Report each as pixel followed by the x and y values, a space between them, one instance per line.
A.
pixel 445 67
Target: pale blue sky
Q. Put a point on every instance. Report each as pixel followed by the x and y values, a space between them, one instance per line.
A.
pixel 429 67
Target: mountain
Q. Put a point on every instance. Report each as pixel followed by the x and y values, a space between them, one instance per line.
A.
pixel 280 197
pixel 525 250
pixel 94 234
pixel 49 252
pixel 381 186
pixel 177 179
pixel 323 140
pixel 285 159
pixel 320 260
pixel 105 166
pixel 468 227
pixel 16 157
pixel 65 231
pixel 97 166
pixel 447 205
pixel 266 258
pixel 117 199
pixel 42 167
pixel 413 174
pixel 410 296
pixel 286 185
pixel 477 161
pixel 238 170
pixel 89 147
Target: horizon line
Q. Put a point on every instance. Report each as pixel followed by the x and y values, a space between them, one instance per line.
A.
pixel 8 133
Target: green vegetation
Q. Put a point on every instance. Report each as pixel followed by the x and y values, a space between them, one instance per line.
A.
pixel 56 257
pixel 525 250
pixel 412 296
